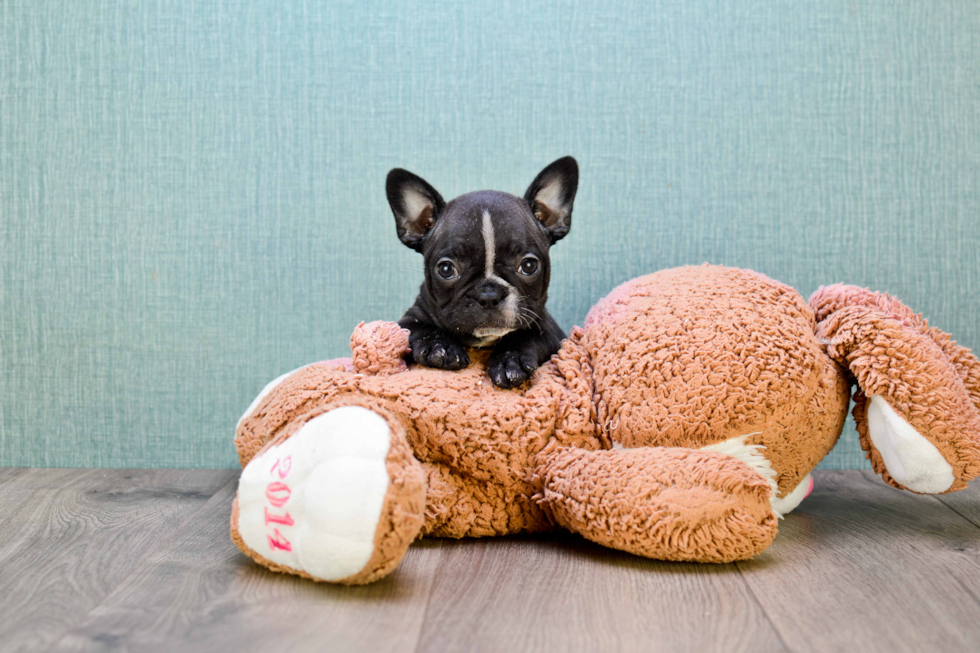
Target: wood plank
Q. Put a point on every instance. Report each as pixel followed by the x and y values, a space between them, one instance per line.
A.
pixel 63 550
pixel 859 566
pixel 862 566
pixel 178 481
pixel 965 503
pixel 563 593
pixel 8 474
pixel 199 593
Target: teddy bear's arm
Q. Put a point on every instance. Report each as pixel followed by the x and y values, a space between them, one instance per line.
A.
pixel 662 503
pixel 916 409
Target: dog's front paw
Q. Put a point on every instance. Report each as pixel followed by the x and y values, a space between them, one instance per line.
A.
pixel 440 353
pixel 509 369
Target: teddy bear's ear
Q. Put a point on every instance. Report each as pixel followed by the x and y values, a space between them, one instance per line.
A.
pixel 416 206
pixel 551 196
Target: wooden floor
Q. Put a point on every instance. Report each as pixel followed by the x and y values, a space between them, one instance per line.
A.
pixel 141 560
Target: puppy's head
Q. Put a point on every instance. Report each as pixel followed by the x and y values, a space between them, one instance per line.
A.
pixel 486 253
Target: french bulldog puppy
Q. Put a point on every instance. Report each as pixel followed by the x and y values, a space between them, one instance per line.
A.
pixel 486 270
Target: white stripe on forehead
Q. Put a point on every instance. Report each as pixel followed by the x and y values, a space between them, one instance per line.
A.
pixel 508 309
pixel 489 244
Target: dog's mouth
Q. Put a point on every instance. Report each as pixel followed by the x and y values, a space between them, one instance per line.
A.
pixel 486 326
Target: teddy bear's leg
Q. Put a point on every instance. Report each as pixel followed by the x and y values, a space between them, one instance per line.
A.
pixel 916 408
pixel 663 503
pixel 337 496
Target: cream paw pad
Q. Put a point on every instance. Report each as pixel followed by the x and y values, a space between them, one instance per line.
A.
pixel 910 458
pixel 330 499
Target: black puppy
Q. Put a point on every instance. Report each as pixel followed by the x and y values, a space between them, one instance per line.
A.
pixel 486 270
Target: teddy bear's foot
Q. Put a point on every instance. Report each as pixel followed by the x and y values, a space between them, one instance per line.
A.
pixel 928 444
pixel 753 455
pixel 663 503
pixel 784 505
pixel 337 497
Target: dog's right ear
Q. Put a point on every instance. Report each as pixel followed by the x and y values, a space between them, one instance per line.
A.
pixel 416 206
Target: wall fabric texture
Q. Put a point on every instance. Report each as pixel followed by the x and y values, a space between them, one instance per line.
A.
pixel 192 192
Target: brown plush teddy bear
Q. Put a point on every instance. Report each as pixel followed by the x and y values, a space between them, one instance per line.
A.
pixel 678 424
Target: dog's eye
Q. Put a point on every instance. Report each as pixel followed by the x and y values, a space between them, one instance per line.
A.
pixel 446 269
pixel 529 266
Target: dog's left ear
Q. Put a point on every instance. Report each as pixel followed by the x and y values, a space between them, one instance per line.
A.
pixel 551 195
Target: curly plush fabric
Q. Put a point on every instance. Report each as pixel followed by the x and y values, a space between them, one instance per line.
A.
pixel 692 401
pixel 402 511
pixel 922 374
pixel 665 503
pixel 477 443
pixel 696 355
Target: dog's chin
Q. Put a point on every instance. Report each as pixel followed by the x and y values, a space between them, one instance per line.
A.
pixel 487 336
pixel 491 332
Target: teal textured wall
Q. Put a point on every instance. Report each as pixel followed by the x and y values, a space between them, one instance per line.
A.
pixel 191 192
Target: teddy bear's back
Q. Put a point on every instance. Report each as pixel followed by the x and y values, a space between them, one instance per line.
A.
pixel 697 355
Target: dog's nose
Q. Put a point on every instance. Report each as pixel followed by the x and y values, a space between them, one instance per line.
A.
pixel 490 295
